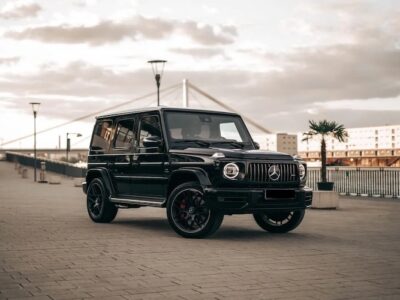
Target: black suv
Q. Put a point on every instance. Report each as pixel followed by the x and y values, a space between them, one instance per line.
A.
pixel 200 165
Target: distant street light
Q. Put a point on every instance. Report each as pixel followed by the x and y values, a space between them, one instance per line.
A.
pixel 35 108
pixel 68 146
pixel 158 70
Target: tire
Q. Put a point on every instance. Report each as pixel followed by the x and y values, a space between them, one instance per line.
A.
pixel 187 213
pixel 99 208
pixel 279 221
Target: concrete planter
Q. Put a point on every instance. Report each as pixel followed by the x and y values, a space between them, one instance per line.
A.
pixel 325 199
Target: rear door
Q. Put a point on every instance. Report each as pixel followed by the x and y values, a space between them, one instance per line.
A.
pixel 123 147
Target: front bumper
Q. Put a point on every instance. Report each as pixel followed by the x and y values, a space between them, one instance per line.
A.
pixel 241 201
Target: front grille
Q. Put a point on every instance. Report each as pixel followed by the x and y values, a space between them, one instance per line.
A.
pixel 258 172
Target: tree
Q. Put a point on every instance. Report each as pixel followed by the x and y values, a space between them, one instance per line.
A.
pixel 325 129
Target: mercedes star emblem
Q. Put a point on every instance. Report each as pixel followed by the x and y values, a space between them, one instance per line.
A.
pixel 274 172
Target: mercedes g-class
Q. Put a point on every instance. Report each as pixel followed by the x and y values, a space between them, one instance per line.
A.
pixel 200 165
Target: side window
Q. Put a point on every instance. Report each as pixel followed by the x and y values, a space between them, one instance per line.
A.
pixel 124 134
pixel 149 126
pixel 101 137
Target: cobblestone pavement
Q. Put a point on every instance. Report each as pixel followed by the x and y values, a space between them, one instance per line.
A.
pixel 49 249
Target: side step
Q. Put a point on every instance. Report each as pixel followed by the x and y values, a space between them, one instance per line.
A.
pixel 142 201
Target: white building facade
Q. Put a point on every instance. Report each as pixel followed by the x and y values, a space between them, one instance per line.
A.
pixel 281 142
pixel 366 146
pixel 364 138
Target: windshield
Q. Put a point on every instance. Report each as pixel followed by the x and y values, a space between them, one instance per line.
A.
pixel 195 129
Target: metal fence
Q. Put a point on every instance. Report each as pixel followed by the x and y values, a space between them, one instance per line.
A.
pixel 51 165
pixel 373 182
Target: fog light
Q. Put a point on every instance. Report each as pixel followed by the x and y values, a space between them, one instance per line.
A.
pixel 231 171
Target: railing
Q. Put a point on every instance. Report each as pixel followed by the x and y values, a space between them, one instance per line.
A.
pixel 373 182
pixel 51 165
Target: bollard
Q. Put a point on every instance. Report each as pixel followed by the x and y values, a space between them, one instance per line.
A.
pixel 24 173
pixel 19 169
pixel 42 175
pixel 16 164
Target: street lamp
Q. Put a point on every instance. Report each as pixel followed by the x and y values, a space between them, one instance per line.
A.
pixel 158 70
pixel 35 108
pixel 68 146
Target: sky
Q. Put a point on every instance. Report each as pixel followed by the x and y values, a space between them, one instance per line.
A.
pixel 279 63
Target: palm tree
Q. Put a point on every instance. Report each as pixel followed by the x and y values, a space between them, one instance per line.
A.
pixel 325 129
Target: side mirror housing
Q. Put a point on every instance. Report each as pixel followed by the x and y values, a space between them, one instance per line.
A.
pixel 152 142
pixel 257 145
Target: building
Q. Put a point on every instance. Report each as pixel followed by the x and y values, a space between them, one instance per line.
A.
pixel 281 142
pixel 366 146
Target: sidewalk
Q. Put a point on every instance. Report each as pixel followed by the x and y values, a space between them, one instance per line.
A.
pixel 49 249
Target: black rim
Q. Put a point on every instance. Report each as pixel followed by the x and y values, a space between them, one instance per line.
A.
pixel 95 199
pixel 278 218
pixel 189 212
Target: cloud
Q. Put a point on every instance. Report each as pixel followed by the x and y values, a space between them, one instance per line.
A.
pixel 9 60
pixel 19 10
pixel 135 28
pixel 303 90
pixel 344 81
pixel 199 52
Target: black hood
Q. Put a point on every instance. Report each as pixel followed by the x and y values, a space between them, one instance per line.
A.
pixel 237 153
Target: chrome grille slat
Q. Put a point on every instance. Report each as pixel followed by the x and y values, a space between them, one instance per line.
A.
pixel 258 172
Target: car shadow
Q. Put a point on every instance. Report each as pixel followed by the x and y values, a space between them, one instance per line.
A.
pixel 149 224
pixel 225 232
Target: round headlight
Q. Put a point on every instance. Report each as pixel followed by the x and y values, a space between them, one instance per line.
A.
pixel 302 171
pixel 231 171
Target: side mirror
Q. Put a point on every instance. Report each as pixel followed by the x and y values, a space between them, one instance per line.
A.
pixel 152 142
pixel 257 145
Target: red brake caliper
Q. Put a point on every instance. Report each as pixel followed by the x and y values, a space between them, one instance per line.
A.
pixel 182 206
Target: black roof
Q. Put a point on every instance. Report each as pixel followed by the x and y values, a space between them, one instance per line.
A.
pixel 160 109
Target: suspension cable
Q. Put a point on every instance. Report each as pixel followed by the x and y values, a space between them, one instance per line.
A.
pixel 89 115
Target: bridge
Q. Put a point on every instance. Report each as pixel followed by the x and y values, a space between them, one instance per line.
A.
pixel 191 93
pixel 187 89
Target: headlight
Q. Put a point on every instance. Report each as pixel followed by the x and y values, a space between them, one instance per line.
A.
pixel 231 171
pixel 302 171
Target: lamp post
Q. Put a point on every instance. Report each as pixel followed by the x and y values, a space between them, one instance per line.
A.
pixel 158 70
pixel 35 108
pixel 68 145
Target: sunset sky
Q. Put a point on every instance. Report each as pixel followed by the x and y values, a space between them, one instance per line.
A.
pixel 280 63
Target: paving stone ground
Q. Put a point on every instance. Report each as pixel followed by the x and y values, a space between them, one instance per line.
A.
pixel 49 249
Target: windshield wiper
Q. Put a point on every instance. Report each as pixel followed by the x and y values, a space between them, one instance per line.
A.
pixel 198 142
pixel 233 143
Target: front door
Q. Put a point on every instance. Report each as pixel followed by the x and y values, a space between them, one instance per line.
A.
pixel 150 180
